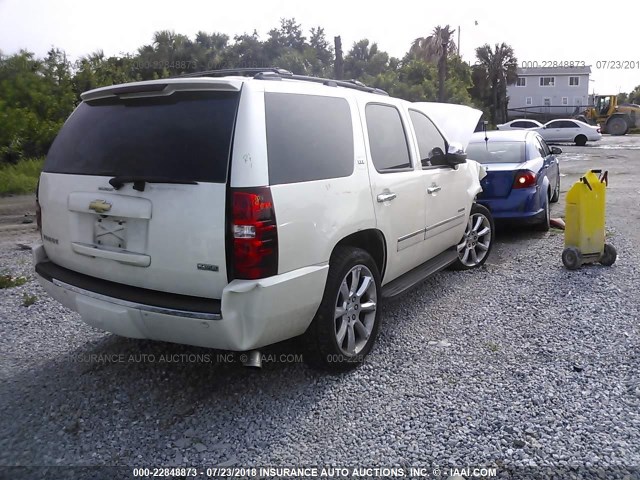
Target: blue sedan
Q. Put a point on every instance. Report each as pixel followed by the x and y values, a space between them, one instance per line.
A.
pixel 523 175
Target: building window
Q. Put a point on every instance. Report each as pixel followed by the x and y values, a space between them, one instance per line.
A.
pixel 574 81
pixel 521 82
pixel 529 101
pixel 565 100
pixel 547 81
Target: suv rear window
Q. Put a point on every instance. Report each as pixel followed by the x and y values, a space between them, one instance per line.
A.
pixel 183 136
pixel 309 137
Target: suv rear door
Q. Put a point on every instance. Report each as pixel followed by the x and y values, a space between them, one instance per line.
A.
pixel 134 186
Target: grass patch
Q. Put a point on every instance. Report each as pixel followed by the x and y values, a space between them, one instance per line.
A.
pixel 7 281
pixel 28 300
pixel 21 177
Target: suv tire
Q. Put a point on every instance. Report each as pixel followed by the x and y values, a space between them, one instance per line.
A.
pixel 345 326
pixel 477 241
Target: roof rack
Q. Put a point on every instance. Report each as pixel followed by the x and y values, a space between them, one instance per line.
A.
pixel 245 72
pixel 274 73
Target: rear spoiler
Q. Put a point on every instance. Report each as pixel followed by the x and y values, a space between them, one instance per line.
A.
pixel 162 88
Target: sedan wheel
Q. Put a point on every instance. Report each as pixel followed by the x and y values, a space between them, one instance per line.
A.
pixel 556 191
pixel 476 243
pixel 545 221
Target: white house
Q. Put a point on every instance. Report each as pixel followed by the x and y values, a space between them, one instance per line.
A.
pixel 549 91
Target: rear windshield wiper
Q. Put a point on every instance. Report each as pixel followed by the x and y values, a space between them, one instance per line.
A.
pixel 140 181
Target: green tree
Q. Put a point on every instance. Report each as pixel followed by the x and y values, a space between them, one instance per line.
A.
pixel 436 48
pixel 499 66
pixel 634 96
pixel 246 51
pixel 364 61
pixel 208 51
pixel 319 54
pixel 36 96
pixel 95 70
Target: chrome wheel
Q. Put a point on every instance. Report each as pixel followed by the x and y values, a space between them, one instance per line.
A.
pixel 355 311
pixel 476 240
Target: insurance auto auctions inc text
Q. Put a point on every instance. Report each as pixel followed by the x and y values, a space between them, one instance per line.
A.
pixel 368 472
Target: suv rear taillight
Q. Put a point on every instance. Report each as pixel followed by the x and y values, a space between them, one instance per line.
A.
pixel 254 234
pixel 524 179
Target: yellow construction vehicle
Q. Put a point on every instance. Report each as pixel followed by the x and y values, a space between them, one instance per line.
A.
pixel 612 118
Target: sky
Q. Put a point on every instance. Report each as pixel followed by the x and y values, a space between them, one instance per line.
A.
pixel 540 30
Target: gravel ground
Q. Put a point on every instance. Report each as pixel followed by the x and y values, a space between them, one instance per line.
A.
pixel 519 365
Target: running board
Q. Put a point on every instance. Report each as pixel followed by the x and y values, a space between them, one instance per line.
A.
pixel 420 273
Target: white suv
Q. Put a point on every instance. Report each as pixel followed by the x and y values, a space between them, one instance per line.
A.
pixel 234 212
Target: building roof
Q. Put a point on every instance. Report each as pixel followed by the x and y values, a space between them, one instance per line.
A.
pixel 555 71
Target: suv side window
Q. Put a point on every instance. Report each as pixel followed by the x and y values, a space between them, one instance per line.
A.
pixel 428 137
pixel 387 139
pixel 309 137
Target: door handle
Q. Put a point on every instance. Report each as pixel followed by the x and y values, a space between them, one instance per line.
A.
pixel 385 197
pixel 435 189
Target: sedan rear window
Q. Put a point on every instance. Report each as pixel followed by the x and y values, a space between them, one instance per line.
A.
pixel 496 152
pixel 183 136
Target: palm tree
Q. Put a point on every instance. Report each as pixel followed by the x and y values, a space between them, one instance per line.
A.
pixel 436 48
pixel 500 67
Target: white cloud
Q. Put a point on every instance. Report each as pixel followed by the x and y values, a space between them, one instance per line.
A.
pixel 541 30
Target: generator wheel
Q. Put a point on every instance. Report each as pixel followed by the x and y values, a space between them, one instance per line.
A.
pixel 609 255
pixel 571 258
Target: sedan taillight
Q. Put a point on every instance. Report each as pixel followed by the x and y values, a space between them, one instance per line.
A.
pixel 524 179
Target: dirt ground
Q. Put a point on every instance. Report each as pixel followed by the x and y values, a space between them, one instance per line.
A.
pixel 17 219
pixel 619 155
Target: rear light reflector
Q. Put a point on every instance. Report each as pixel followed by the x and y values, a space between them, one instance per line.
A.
pixel 38 209
pixel 524 179
pixel 254 234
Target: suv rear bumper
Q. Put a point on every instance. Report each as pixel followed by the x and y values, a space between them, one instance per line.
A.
pixel 251 313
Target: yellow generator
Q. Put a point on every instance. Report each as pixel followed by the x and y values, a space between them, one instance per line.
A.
pixel 584 235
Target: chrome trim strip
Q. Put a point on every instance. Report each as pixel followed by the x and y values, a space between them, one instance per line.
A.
pixel 139 306
pixel 439 224
pixel 407 237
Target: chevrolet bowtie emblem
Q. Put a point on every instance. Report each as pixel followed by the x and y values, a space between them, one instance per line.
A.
pixel 100 206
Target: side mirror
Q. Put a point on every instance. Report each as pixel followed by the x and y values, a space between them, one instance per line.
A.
pixel 556 150
pixel 455 155
pixel 436 157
